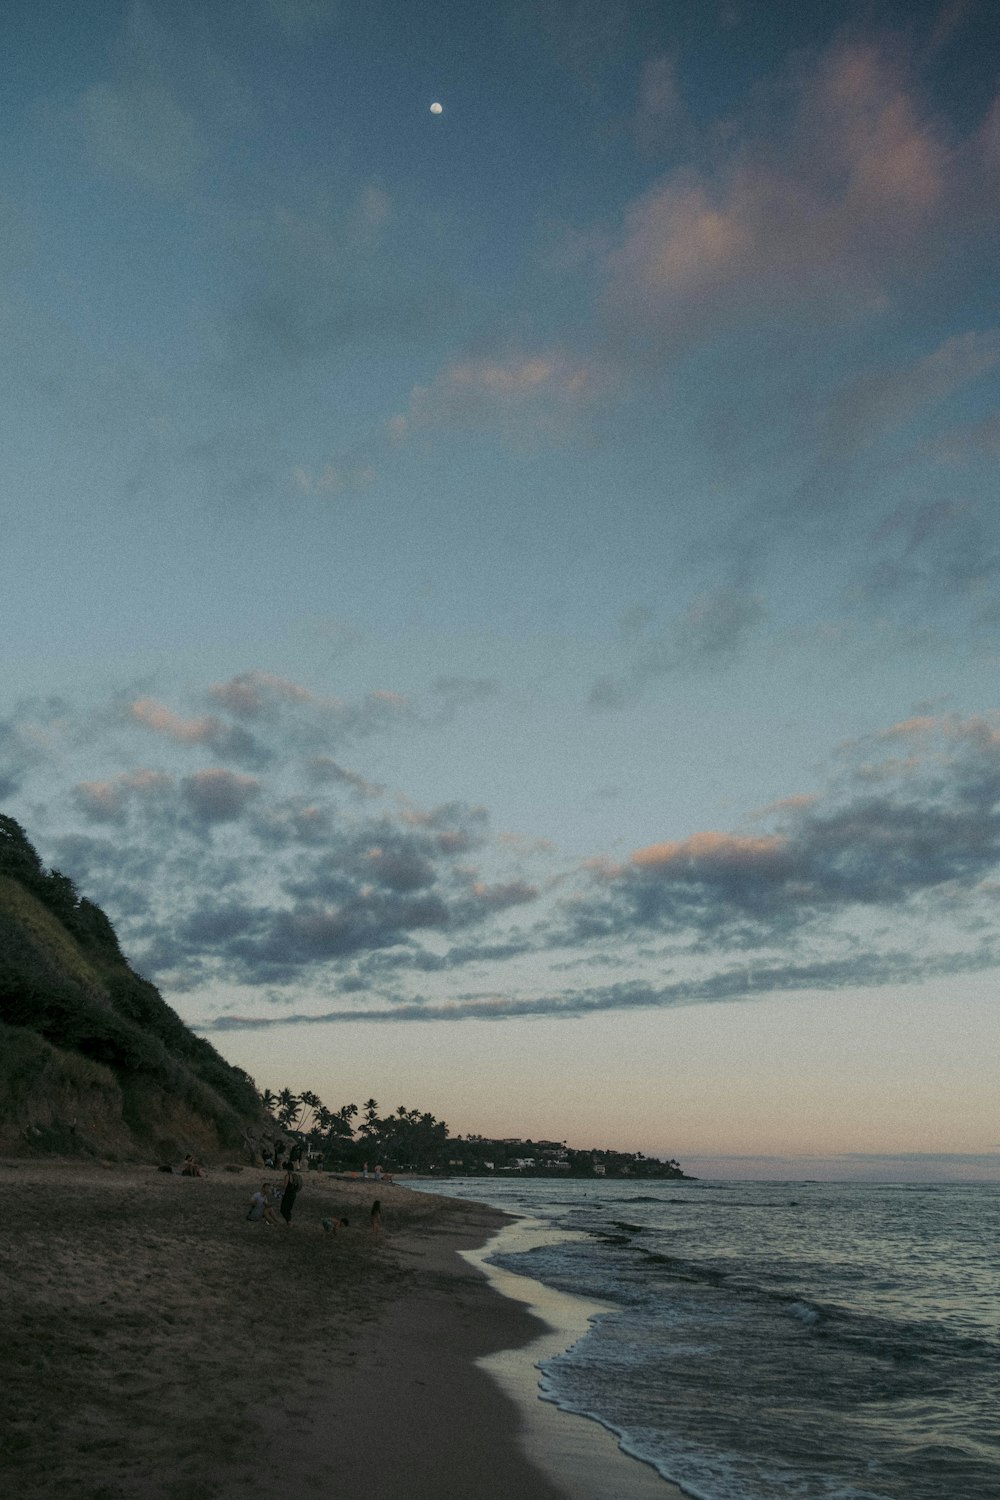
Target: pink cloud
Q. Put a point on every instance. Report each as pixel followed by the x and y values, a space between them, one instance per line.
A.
pixel 712 851
pixel 509 893
pixel 250 694
pixel 919 726
pixel 228 741
pixel 162 720
pixel 820 206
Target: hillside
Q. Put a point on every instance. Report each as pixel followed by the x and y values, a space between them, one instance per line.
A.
pixel 92 1059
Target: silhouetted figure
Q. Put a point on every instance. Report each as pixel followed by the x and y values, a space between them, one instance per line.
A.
pixel 292 1184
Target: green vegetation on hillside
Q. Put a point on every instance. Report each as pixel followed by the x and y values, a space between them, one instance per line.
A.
pixel 64 983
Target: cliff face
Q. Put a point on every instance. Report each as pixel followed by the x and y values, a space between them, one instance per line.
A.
pixel 92 1059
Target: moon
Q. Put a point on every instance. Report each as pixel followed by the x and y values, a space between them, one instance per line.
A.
pixel 437 109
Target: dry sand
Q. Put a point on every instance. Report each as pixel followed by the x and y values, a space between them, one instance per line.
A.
pixel 158 1346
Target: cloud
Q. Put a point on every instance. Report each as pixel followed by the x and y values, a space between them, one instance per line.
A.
pixel 870 416
pixel 287 886
pixel 728 986
pixel 887 874
pixel 507 894
pixel 18 756
pixel 913 845
pixel 709 635
pixel 294 820
pixel 879 401
pixel 711 632
pixel 522 395
pixel 321 768
pixel 843 183
pixel 230 742
pixel 218 796
pixel 284 715
pixel 327 274
pixel 107 801
pixel 254 695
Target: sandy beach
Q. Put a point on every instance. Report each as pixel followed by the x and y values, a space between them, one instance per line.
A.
pixel 157 1344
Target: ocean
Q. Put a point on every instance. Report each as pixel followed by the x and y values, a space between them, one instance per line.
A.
pixel 778 1341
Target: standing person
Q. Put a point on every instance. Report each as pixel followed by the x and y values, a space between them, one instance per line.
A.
pixel 291 1185
pixel 376 1218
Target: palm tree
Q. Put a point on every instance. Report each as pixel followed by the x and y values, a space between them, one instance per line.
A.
pixel 312 1103
pixel 268 1101
pixel 288 1108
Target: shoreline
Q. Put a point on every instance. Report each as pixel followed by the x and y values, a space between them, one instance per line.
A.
pixel 577 1450
pixel 164 1348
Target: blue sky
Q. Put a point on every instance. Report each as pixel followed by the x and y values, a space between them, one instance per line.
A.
pixel 502 607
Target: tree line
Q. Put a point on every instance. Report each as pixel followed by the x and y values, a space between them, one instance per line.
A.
pixel 348 1137
pixel 406 1139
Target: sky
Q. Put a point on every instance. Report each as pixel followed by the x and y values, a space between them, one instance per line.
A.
pixel 501 605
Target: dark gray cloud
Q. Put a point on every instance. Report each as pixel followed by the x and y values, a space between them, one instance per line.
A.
pixel 324 770
pixel 325 890
pixel 737 984
pixel 932 554
pixel 221 876
pixel 708 636
pixel 218 796
pixel 933 831
pixel 294 820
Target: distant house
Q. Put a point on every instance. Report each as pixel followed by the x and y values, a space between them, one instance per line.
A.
pixel 599 1169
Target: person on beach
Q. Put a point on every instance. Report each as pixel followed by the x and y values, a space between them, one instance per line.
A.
pixel 191 1168
pixel 260 1207
pixel 376 1218
pixel 332 1225
pixel 292 1184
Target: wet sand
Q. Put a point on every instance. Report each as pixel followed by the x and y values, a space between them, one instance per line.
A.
pixel 158 1346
